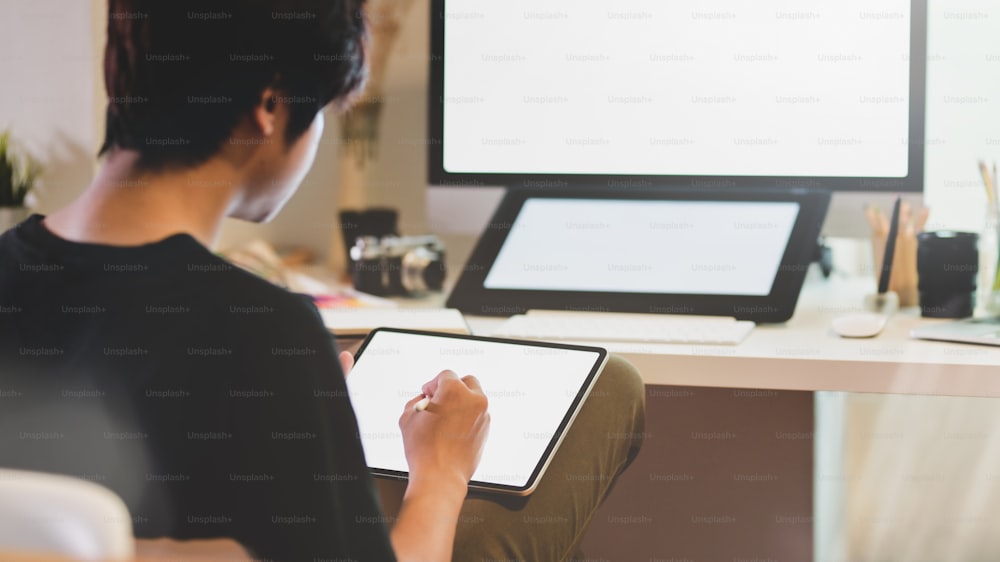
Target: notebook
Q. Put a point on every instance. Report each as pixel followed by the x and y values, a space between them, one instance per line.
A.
pixel 357 322
pixel 983 331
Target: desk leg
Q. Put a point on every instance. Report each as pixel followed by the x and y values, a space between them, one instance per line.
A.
pixel 724 474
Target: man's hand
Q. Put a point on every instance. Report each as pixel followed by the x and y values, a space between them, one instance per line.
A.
pixel 443 445
pixel 346 362
pixel 445 441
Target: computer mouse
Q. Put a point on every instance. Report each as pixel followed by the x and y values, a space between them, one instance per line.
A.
pixel 859 324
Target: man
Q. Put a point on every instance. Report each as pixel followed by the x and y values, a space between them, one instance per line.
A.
pixel 211 401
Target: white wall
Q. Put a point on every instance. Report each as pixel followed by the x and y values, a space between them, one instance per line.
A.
pixel 963 107
pixel 48 92
pixel 52 98
pixel 399 177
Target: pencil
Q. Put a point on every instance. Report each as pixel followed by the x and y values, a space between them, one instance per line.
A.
pixel 988 183
pixel 872 220
pixel 921 219
pixel 890 249
pixel 995 200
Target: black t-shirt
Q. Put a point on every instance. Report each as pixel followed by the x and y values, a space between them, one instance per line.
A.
pixel 211 401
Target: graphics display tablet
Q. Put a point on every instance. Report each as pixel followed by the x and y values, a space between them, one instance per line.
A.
pixel 741 253
pixel 534 389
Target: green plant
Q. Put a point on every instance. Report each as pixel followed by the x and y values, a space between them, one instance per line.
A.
pixel 17 174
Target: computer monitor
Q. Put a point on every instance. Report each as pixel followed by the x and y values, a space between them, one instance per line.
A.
pixel 679 93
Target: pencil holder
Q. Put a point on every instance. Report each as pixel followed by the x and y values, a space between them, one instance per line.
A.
pixel 948 265
pixel 903 279
pixel 989 262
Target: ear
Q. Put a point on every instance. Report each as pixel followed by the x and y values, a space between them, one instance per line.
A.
pixel 264 115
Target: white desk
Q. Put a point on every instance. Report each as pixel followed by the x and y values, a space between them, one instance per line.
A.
pixel 828 491
pixel 804 354
pixel 801 355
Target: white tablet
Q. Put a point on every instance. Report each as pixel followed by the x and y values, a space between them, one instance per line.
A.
pixel 535 390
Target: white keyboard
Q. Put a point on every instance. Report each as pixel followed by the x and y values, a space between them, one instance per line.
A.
pixel 624 327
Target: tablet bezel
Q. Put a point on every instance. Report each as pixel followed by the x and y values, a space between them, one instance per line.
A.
pixel 557 438
pixel 471 296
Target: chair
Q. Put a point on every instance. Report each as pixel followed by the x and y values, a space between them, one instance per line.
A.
pixel 51 515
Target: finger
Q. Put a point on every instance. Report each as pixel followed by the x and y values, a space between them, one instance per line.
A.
pixel 430 387
pixel 473 383
pixel 423 404
pixel 413 402
pixel 408 410
pixel 346 362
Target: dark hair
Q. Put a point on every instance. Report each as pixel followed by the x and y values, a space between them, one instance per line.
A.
pixel 180 73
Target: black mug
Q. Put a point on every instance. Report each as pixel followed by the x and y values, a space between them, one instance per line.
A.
pixel 378 222
pixel 947 264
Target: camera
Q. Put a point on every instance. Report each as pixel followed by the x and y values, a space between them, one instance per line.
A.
pixel 397 265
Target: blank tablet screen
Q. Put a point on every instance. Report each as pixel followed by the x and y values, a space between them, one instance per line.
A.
pixel 647 246
pixel 533 390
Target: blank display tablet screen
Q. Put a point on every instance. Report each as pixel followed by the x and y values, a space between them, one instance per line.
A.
pixel 534 391
pixel 621 246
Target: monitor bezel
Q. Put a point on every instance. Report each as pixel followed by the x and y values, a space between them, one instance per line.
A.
pixel 912 182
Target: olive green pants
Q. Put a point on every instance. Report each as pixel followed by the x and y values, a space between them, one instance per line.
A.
pixel 547 526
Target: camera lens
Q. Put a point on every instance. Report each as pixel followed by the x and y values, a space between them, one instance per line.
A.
pixel 947 264
pixel 423 270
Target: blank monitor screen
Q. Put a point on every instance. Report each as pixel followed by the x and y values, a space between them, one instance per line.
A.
pixel 769 88
pixel 675 247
